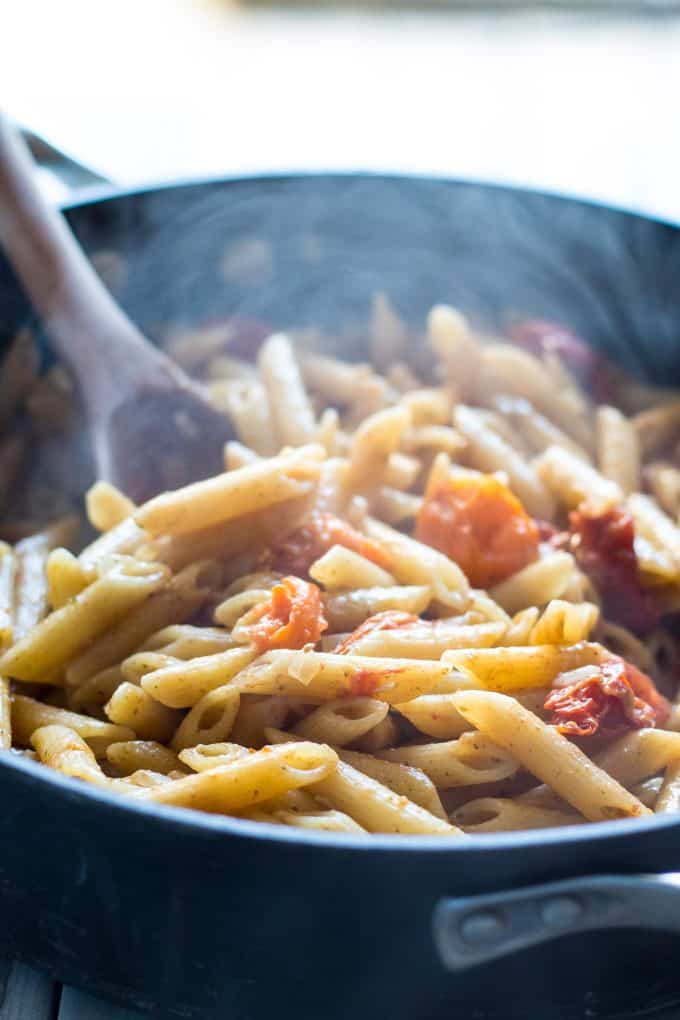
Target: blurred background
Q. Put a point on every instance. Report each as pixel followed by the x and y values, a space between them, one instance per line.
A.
pixel 579 97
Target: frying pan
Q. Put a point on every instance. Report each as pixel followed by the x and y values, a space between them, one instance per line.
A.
pixel 191 915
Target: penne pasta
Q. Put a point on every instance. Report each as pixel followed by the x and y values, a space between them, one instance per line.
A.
pixel 291 411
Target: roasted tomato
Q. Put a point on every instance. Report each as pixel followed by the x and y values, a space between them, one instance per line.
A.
pixel 390 619
pixel 296 553
pixel 480 525
pixel 590 368
pixel 603 544
pixel 615 698
pixel 291 618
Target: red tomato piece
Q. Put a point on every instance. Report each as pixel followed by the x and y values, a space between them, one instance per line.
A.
pixel 618 698
pixel 481 525
pixel 603 544
pixel 291 618
pixel 296 553
pixel 390 619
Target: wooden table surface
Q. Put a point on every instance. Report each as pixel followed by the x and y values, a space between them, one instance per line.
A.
pixel 153 89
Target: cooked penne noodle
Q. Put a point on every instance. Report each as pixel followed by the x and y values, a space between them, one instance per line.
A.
pixel 319 821
pixel 246 403
pixel 663 480
pixel 106 506
pixel 467 761
pixel 209 721
pixel 618 452
pixel 187 641
pixel 375 439
pixel 669 795
pixel 233 494
pixel 289 404
pixel 345 610
pixel 638 755
pixel 30 584
pixel 386 733
pixel 457 350
pixel 42 652
pixel 255 714
pixel 487 451
pixel 401 779
pixel 503 814
pixel 548 755
pixel 29 715
pixel 563 623
pixel 62 749
pixel 319 676
pixel 342 568
pixel 133 707
pixel 510 669
pixel 416 563
pixel 66 577
pixel 178 601
pixel 537 584
pixel 6 735
pixel 341 722
pixel 242 782
pixel 130 756
pixel 123 540
pixel 435 715
pixel 183 684
pixel 573 481
pixel 652 524
pixel 429 641
pixel 207 756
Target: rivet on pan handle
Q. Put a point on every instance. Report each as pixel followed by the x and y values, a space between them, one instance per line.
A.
pixel 469 931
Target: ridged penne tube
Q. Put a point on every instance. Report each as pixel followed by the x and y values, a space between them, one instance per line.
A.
pixel 257 713
pixel 503 814
pixel 573 481
pixel 564 623
pixel 30 582
pixel 536 430
pixel 638 755
pixel 181 685
pixel 320 676
pixel 467 761
pixel 230 611
pixel 29 715
pixel 237 455
pixel 525 376
pixel 404 780
pixel 343 568
pixel 233 494
pixel 106 506
pixel 331 378
pixel 647 792
pixel 66 577
pixel 370 802
pixel 209 721
pixel 401 470
pixel 454 345
pixel 258 777
pixel 394 506
pixel 142 777
pixel 414 562
pixel 208 756
pixel 290 407
pixel 429 640
pixel 187 641
pixel 50 645
pixel 377 437
pixel 341 722
pixel 435 715
pixel 385 734
pixel 319 821
pixel 95 692
pixel 123 540
pixel 536 584
pixel 657 426
pixel 138 665
pixel 510 669
pixel 488 452
pixel 62 749
pixel 618 450
pixel 133 707
pixel 246 403
pixel 177 601
pixel 550 756
pixel 431 406
pixel 346 610
pixel 519 631
pixel 654 525
pixel 130 756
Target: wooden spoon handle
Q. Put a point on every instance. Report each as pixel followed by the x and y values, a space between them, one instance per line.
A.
pixel 106 352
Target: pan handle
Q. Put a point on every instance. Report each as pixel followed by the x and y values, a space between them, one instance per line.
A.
pixel 59 174
pixel 471 930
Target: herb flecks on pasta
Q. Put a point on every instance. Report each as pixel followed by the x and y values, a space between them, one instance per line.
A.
pixel 430 595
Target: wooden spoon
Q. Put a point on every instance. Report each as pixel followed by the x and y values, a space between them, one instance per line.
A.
pixel 152 427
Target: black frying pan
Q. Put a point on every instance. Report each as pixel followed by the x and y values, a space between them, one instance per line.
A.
pixel 199 916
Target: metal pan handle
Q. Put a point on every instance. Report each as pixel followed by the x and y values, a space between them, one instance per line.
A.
pixel 469 931
pixel 60 176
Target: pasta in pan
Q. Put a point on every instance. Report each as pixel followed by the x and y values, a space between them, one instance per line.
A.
pixel 431 600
